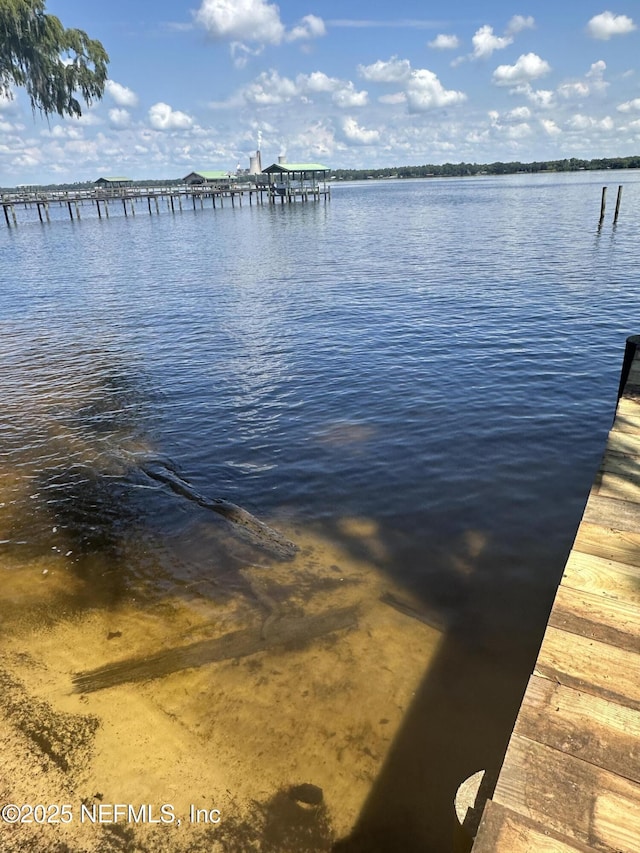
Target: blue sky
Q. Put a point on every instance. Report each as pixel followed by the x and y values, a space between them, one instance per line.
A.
pixel 193 83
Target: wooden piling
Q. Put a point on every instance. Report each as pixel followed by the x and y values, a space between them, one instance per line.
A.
pixel 70 211
pixel 603 204
pixel 39 211
pixel 6 215
pixel 615 216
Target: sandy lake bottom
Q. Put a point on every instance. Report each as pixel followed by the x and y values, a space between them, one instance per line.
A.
pixel 284 742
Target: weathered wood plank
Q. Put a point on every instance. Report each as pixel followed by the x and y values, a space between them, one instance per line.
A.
pixel 608 620
pixel 586 664
pixel 587 727
pixel 628 414
pixel 624 443
pixel 619 477
pixel 570 797
pixel 503 830
pixel 612 512
pixel 603 577
pixel 620 545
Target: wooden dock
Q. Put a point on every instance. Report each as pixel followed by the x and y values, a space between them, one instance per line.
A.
pixel 130 200
pixel 570 781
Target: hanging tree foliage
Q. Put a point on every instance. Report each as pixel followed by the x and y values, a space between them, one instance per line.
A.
pixel 54 65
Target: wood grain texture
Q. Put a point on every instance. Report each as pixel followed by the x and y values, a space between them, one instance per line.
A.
pixel 503 829
pixel 622 546
pixel 609 620
pixel 580 724
pixel 586 664
pixel 570 797
pixel 600 576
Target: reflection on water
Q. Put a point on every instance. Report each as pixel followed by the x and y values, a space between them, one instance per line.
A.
pixel 421 416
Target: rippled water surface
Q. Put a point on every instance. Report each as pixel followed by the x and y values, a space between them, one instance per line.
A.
pixel 417 376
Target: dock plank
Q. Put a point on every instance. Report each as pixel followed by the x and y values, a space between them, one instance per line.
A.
pixel 601 576
pixel 607 619
pixel 622 546
pixel 571 797
pixel 586 664
pixel 588 727
pixel 513 832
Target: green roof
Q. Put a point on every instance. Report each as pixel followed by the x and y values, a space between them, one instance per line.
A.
pixel 296 167
pixel 117 180
pixel 210 176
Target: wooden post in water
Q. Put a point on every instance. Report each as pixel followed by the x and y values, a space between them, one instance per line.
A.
pixel 70 211
pixel 603 204
pixel 124 206
pixel 99 211
pixel 39 211
pixel 46 211
pixel 149 204
pixel 615 216
pixel 6 215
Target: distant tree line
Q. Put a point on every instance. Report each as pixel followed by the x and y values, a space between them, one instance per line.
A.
pixel 446 170
pixel 450 170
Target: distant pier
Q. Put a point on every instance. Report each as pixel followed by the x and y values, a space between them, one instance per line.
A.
pixel 129 200
pixel 570 781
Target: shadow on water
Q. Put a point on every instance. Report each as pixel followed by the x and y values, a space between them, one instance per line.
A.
pixel 463 711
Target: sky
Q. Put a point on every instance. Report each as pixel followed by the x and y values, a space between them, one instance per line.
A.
pixel 197 84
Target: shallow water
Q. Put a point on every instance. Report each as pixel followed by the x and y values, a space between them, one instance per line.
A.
pixel 413 382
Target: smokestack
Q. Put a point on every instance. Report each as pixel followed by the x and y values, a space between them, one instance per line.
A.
pixel 282 158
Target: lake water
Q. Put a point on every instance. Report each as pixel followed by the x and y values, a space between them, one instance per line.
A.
pixel 413 382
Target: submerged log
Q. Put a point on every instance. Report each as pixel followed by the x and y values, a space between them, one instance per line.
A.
pixel 259 532
pixel 428 617
pixel 249 641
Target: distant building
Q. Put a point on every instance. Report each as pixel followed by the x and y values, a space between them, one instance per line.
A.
pixel 219 180
pixel 114 182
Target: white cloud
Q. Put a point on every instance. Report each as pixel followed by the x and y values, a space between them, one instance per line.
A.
pixel 527 67
pixel 241 20
pixel 550 127
pixel 119 117
pixel 628 106
pixel 519 113
pixel 519 23
pixel 607 24
pixel 347 97
pixel 445 42
pixel 121 95
pixel 270 88
pixel 543 98
pixel 593 83
pixel 256 21
pixel 309 27
pixel 578 89
pixel 485 42
pixel 393 70
pixel 318 81
pixel 163 117
pixel 425 91
pixel 583 122
pixel 395 98
pixel 357 134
